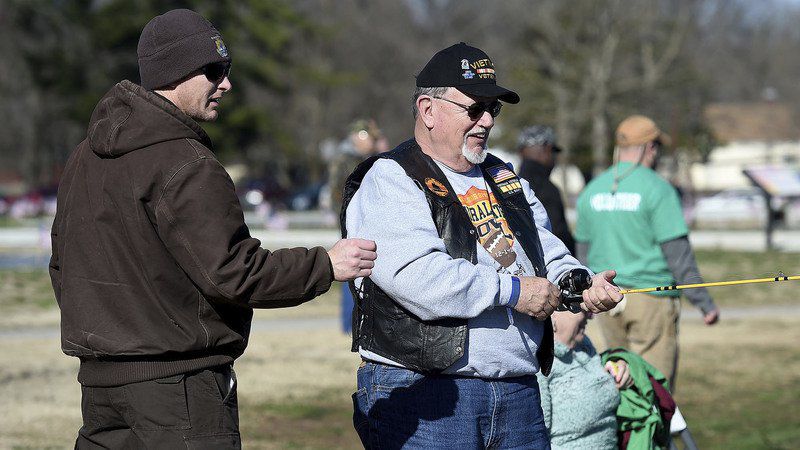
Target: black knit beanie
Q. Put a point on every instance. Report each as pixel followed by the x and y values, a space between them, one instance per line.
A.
pixel 176 44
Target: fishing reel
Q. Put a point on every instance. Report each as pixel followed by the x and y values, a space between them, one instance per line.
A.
pixel 572 286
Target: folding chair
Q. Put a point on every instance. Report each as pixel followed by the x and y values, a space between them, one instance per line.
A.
pixel 679 428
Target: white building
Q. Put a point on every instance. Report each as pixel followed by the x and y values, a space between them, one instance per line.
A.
pixel 749 134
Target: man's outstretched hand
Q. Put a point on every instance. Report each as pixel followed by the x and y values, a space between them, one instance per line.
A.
pixel 711 317
pixel 352 258
pixel 603 295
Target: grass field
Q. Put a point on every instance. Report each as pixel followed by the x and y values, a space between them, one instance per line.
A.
pixel 739 382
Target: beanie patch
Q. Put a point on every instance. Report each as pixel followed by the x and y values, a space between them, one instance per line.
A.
pixel 221 48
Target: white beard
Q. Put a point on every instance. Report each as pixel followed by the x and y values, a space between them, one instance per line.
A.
pixel 474 158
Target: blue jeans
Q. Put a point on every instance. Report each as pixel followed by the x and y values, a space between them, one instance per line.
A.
pixel 347 309
pixel 400 408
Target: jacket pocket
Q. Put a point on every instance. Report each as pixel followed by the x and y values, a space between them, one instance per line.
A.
pixel 226 384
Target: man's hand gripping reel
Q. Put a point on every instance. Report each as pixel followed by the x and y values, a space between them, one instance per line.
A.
pixel 572 286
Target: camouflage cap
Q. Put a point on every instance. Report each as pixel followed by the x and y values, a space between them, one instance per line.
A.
pixel 537 135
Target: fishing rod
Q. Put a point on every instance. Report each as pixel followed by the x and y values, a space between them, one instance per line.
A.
pixel 578 280
pixel 712 284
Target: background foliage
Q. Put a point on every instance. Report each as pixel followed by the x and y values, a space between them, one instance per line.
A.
pixel 305 69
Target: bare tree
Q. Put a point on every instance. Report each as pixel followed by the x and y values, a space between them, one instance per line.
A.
pixel 591 54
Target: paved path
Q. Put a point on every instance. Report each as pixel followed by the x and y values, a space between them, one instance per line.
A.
pixel 748 240
pixel 32 239
pixel 30 247
pixel 330 323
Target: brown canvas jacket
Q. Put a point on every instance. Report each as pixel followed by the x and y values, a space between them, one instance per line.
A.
pixel 153 267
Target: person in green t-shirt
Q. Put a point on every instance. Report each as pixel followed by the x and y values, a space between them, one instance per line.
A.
pixel 630 218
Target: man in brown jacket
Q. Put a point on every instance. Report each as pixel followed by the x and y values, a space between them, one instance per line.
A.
pixel 153 267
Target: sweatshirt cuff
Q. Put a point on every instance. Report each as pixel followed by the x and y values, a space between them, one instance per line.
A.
pixel 508 294
pixel 701 300
pixel 512 302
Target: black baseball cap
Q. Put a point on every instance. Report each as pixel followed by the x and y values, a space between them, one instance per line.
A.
pixel 467 69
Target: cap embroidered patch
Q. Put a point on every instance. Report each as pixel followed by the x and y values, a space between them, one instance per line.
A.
pixel 436 187
pixel 468 75
pixel 464 64
pixel 221 49
pixel 484 68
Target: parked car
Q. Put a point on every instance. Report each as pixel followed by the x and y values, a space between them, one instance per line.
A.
pixel 253 192
pixel 731 208
pixel 305 198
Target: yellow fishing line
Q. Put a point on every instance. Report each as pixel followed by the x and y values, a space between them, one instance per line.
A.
pixel 717 283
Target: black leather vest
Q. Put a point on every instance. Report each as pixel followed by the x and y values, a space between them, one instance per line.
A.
pixel 383 326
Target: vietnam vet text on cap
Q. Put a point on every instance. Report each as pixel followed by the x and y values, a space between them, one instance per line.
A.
pixel 467 69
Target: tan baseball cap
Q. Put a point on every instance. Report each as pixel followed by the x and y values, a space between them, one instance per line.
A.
pixel 638 130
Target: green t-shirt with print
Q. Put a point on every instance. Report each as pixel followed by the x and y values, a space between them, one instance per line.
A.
pixel 624 230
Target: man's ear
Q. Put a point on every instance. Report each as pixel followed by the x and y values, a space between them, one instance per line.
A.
pixel 425 110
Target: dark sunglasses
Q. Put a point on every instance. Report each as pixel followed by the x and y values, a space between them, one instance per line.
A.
pixel 216 72
pixel 476 110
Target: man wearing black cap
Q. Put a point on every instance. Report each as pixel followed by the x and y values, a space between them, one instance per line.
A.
pixel 453 323
pixel 153 268
pixel 537 146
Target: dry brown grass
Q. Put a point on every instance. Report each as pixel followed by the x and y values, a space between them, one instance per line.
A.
pixel 40 392
pixel 294 387
pixel 724 266
pixel 26 298
pixel 738 388
pixel 739 382
pixel 295 391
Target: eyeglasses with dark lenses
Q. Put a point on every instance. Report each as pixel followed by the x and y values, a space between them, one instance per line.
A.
pixel 216 72
pixel 476 110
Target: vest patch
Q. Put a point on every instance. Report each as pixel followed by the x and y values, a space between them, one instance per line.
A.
pixel 506 180
pixel 510 187
pixel 436 187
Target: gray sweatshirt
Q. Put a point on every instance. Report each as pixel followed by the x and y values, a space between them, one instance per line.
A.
pixel 413 267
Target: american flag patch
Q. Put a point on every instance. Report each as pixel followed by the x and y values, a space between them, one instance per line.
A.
pixel 500 173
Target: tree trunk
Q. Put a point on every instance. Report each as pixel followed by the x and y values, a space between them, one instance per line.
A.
pixel 601 66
